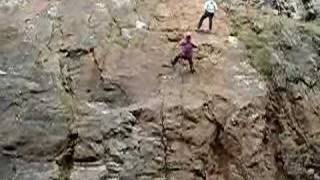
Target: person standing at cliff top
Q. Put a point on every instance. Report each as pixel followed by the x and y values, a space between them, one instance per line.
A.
pixel 210 6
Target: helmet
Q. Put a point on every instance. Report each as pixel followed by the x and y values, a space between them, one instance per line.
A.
pixel 188 35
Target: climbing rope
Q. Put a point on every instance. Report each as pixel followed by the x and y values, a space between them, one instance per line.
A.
pixel 163 129
pixel 182 69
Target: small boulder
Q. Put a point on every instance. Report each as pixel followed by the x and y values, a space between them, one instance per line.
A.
pixel 2 73
pixel 141 25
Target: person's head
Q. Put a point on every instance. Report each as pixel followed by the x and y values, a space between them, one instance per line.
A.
pixel 188 36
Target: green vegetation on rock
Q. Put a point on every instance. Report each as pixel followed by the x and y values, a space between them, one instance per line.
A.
pixel 311 28
pixel 256 40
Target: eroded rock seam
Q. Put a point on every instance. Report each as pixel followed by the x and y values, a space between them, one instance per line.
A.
pixel 65 160
pixel 164 141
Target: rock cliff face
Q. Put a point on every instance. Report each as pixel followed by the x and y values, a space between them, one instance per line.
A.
pixel 86 94
pixel 304 10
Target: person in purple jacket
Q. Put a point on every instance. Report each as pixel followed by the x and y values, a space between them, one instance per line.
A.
pixel 186 51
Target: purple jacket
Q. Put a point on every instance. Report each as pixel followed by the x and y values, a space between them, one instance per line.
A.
pixel 186 48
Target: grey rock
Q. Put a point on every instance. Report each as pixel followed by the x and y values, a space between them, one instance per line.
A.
pixel 2 73
pixel 88 173
pixel 73 105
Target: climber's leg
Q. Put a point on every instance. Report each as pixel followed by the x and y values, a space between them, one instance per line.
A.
pixel 203 17
pixel 175 60
pixel 191 64
pixel 210 15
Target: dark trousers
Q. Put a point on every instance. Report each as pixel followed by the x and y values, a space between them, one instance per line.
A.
pixel 180 56
pixel 203 17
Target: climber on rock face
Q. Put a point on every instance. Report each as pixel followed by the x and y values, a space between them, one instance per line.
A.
pixel 186 51
pixel 210 7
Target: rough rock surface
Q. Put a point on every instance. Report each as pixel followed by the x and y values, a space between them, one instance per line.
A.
pixel 85 94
